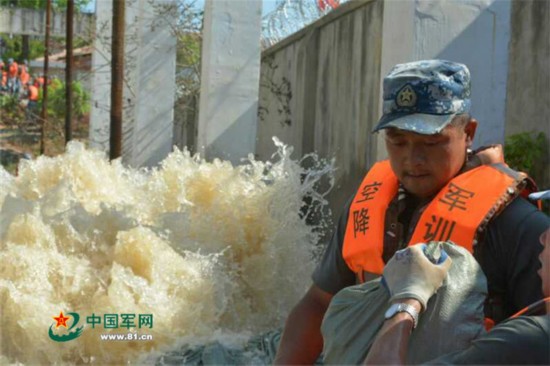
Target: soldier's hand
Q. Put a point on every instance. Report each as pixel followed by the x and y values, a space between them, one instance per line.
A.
pixel 410 274
pixel 490 154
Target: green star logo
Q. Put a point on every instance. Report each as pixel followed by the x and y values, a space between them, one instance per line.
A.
pixel 62 321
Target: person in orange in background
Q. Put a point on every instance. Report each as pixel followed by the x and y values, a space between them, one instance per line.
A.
pixel 13 70
pixel 32 95
pixel 24 76
pixel 39 81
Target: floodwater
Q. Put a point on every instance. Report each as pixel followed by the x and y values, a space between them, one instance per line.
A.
pixel 200 250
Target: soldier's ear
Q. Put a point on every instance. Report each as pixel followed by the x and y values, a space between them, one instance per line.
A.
pixel 470 131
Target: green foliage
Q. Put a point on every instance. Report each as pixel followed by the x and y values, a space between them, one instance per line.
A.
pixel 41 4
pixel 81 42
pixel 56 100
pixel 14 48
pixel 189 50
pixel 9 109
pixel 28 4
pixel 522 150
pixel 527 152
pixel 55 125
pixel 7 101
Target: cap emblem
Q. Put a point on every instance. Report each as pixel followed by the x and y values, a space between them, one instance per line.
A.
pixel 406 97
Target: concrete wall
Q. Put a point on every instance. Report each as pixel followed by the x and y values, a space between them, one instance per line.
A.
pixel 319 92
pixel 230 72
pixel 149 88
pixel 475 33
pixel 528 91
pixel 101 78
pixel 154 52
pixel 33 22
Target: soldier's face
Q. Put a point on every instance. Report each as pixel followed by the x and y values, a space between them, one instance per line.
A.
pixel 544 271
pixel 424 164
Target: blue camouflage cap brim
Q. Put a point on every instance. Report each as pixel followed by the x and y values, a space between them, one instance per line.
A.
pixel 425 124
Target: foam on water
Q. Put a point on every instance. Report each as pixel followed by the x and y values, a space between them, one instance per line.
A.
pixel 207 248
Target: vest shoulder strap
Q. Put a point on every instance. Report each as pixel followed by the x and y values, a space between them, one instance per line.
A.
pixel 465 204
pixel 367 211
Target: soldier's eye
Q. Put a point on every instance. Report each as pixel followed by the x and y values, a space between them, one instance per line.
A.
pixel 398 143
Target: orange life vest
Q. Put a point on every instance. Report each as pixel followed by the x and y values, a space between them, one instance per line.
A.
pixel 33 93
pixel 465 204
pixel 24 75
pixel 12 70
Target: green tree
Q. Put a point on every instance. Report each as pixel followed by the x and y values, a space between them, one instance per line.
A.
pixel 13 48
pixel 41 4
pixel 55 125
pixel 57 101
pixel 527 152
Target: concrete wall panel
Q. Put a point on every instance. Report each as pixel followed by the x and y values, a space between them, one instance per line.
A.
pixel 230 72
pixel 319 92
pixel 475 33
pixel 33 22
pixel 149 87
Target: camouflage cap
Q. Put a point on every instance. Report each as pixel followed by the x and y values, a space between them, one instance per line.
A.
pixel 424 96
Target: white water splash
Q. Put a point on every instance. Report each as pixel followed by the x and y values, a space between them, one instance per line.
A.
pixel 207 248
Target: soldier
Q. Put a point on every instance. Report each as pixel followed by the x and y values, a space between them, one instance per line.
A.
pixel 431 188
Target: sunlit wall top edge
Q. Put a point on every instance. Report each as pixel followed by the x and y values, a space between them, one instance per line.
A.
pixel 340 11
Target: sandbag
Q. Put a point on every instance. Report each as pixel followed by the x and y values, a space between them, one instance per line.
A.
pixel 258 350
pixel 453 317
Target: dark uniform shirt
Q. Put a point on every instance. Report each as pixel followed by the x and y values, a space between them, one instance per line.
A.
pixel 521 341
pixel 507 251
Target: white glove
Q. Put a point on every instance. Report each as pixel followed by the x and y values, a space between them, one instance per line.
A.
pixel 410 274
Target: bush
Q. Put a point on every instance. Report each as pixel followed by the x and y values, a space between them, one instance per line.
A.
pixel 10 111
pixel 528 152
pixel 57 102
